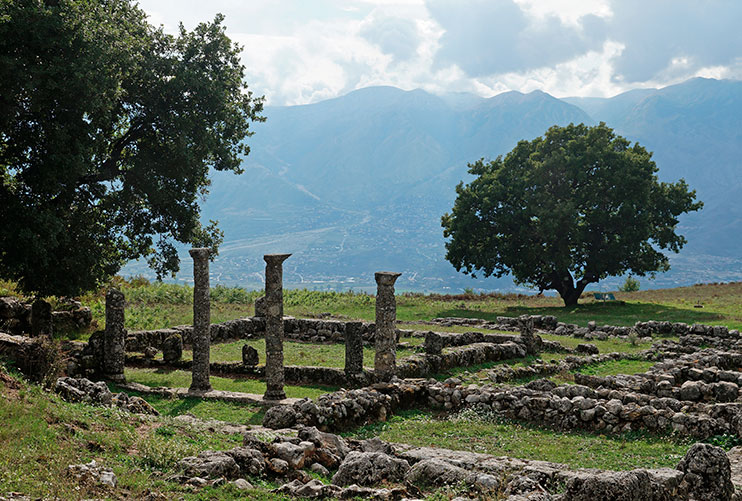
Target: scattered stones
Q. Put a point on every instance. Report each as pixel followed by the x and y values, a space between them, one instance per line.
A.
pixel 91 474
pixel 84 390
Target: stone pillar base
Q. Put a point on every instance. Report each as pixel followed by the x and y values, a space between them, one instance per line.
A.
pixel 274 395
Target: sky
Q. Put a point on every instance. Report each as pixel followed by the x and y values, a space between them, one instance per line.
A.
pixel 304 51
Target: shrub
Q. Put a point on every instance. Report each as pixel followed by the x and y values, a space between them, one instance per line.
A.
pixel 630 285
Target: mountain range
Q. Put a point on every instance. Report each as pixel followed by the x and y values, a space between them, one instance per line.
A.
pixel 358 183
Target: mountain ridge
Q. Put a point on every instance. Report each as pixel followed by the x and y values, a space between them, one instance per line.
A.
pixel 358 183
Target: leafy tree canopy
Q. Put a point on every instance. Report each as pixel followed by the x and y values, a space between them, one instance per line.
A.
pixel 108 129
pixel 565 210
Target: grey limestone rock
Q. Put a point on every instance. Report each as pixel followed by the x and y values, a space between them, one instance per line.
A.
pixel 280 416
pixel 632 485
pixel 296 455
pixel 353 348
pixel 370 468
pixel 249 356
pixel 92 474
pixel 41 318
pixel 587 349
pixel 439 473
pixel 707 473
pixel 83 390
pixel 210 464
pixel 250 461
pixel 172 348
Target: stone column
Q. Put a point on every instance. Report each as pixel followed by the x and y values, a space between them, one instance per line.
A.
pixel 273 311
pixel 353 348
pixel 114 337
pixel 42 323
pixel 385 361
pixel 201 341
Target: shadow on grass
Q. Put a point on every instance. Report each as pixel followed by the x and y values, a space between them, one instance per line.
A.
pixel 611 313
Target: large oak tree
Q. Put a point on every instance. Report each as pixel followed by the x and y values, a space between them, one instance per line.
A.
pixel 565 210
pixel 108 129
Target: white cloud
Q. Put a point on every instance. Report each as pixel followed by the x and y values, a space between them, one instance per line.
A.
pixel 300 52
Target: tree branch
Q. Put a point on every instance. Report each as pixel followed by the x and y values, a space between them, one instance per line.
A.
pixel 109 168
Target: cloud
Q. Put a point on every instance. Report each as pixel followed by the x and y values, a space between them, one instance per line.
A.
pixel 486 37
pixel 393 35
pixel 298 52
pixel 667 40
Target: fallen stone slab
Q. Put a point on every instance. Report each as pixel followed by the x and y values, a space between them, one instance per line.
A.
pixel 227 396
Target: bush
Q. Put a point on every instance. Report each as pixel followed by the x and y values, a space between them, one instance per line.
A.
pixel 630 285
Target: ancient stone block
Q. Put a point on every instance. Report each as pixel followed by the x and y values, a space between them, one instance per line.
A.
pixel 114 337
pixel 249 356
pixel 353 348
pixel 172 348
pixel 41 318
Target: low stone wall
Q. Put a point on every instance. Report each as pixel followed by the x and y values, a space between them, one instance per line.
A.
pixel 415 366
pixel 563 407
pixel 299 329
pixel 541 368
pixel 550 324
pixel 15 317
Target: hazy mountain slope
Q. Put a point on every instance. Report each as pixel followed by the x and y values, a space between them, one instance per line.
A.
pixel 358 183
pixel 695 132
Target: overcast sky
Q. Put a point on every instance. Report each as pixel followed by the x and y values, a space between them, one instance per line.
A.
pixel 303 51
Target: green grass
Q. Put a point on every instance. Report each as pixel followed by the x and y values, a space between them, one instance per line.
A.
pixel 230 412
pixel 182 379
pixel 41 435
pixel 295 353
pixel 159 305
pixel 576 449
pixel 616 367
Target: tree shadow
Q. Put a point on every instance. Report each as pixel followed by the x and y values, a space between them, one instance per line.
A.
pixel 609 312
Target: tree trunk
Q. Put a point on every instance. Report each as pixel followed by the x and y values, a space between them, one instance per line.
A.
pixel 570 298
pixel 568 290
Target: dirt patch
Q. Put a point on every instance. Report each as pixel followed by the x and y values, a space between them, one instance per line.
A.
pixel 9 386
pixel 142 431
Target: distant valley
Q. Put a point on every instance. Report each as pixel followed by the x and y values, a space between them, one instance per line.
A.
pixel 358 184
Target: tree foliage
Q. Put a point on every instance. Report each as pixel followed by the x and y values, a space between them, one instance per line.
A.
pixel 565 210
pixel 108 129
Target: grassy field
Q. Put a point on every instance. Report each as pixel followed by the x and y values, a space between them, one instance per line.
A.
pixel 490 436
pixel 296 353
pixel 159 305
pixel 41 435
pixel 182 379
